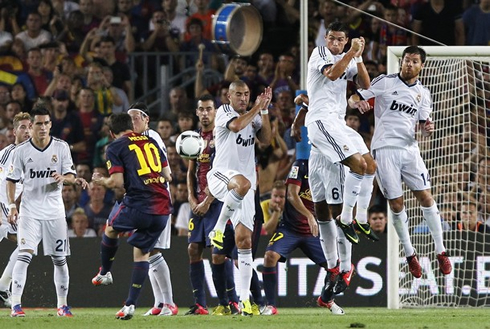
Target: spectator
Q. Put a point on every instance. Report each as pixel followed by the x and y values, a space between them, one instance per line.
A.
pixel 484 205
pixel 176 20
pixel 96 209
pixel 120 70
pixel 389 34
pixel 71 34
pixel 87 9
pixel 66 125
pixel 46 11
pixel 166 130
pixel 50 52
pixel 64 7
pixel 205 15
pixel 19 94
pixel 440 20
pixel 70 201
pixel 272 208
pixel 79 225
pixel 185 121
pixel 92 122
pixel 377 219
pixel 83 170
pixel 468 220
pixel 34 36
pixel 39 76
pixel 105 95
pixel 477 24
pixel 194 40
pixel 284 78
pixel 109 76
pixel 265 66
pixel 328 12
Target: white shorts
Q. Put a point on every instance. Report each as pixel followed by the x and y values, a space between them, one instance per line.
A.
pixel 163 241
pixel 398 164
pixel 335 139
pixel 6 228
pixel 218 187
pixel 326 178
pixel 53 233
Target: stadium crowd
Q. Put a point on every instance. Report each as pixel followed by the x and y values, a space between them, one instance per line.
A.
pixel 74 57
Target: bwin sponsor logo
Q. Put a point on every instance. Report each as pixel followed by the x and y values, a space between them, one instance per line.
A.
pixel 41 173
pixel 409 109
pixel 245 142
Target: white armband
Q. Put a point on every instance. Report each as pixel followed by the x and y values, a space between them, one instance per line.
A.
pixel 358 59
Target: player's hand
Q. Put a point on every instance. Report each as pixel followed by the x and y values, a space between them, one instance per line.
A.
pixel 12 216
pixel 82 182
pixel 362 44
pixel 313 226
pixel 264 99
pixel 429 127
pixel 356 45
pixel 300 99
pixel 296 132
pixel 363 106
pixel 202 208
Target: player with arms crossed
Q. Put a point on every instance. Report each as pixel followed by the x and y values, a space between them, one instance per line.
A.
pixel 401 104
pixel 159 272
pixel 136 163
pixel 22 132
pixel 45 164
pixel 232 179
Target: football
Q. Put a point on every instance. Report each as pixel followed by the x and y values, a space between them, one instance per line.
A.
pixel 189 144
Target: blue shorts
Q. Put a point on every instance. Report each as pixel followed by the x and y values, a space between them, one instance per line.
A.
pixel 147 228
pixel 200 227
pixel 284 241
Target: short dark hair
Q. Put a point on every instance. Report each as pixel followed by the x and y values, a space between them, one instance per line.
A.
pixel 337 27
pixel 375 209
pixel 108 38
pixel 415 50
pixel 39 109
pixel 120 122
pixel 206 97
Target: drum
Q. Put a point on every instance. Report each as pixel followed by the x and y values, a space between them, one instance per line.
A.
pixel 237 28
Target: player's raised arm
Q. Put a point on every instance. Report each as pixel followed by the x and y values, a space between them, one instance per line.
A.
pixel 263 101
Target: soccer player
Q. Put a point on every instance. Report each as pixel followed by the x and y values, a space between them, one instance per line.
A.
pixel 232 179
pixel 403 104
pixel 326 181
pixel 205 210
pixel 136 162
pixel 297 229
pixel 329 68
pixel 45 164
pixel 159 272
pixel 22 131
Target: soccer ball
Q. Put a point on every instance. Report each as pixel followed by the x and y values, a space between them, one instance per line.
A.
pixel 189 144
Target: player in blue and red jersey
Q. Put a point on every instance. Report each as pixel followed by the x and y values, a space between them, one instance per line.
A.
pixel 136 163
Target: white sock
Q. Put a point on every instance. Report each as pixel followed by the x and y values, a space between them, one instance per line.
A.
pixel 155 286
pixel 245 262
pixel 433 220
pixel 161 272
pixel 231 202
pixel 352 187
pixel 400 222
pixel 328 240
pixel 7 273
pixel 345 251
pixel 364 199
pixel 61 279
pixel 19 275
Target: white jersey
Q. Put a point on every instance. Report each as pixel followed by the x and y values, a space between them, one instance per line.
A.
pixel 42 194
pixel 398 108
pixel 327 97
pixel 6 156
pixel 235 151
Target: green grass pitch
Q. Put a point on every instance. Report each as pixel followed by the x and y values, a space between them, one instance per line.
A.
pixel 376 318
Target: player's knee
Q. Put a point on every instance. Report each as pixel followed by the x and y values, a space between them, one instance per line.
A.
pixel 241 185
pixel 396 205
pixel 58 260
pixel 218 259
pixel 243 242
pixel 194 252
pixel 370 166
pixel 271 258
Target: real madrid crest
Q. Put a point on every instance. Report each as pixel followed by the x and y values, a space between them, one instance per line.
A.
pixel 419 97
pixel 346 148
pixel 54 158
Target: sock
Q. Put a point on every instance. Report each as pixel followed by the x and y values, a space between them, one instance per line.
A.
pixel 231 202
pixel 108 249
pixel 400 222
pixel 61 278
pixel 196 274
pixel 255 289
pixel 219 279
pixel 245 269
pixel 364 199
pixel 269 274
pixel 155 285
pixel 433 220
pixel 352 187
pixel 230 281
pixel 328 240
pixel 7 272
pixel 140 271
pixel 345 252
pixel 19 276
pixel 161 273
